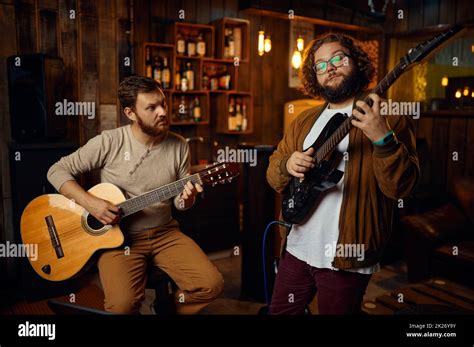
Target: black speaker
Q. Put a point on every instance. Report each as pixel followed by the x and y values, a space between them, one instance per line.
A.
pixel 258 200
pixel 29 164
pixel 36 84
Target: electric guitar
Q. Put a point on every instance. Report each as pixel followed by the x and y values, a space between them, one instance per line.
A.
pixel 67 235
pixel 300 196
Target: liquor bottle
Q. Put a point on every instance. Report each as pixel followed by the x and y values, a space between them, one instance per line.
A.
pixel 201 45
pixel 184 79
pixel 148 66
pixel 224 80
pixel 182 109
pixel 190 76
pixel 238 42
pixel 177 79
pixel 231 43
pixel 191 47
pixel 197 109
pixel 231 116
pixel 226 43
pixel 238 116
pixel 166 74
pixel 205 81
pixel 244 117
pixel 157 70
pixel 180 44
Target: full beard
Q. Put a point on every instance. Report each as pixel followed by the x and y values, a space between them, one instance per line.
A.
pixel 150 130
pixel 349 87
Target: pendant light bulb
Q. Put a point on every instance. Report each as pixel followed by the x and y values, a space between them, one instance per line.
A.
pixel 300 43
pixel 267 44
pixel 296 59
pixel 261 45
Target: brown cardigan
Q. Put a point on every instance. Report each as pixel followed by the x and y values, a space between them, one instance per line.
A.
pixel 375 178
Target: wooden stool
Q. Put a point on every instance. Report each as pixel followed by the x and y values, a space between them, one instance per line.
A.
pixel 162 284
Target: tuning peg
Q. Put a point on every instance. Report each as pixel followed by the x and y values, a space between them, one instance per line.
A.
pixel 214 184
pixel 229 180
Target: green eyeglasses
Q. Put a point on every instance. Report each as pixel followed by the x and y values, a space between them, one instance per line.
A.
pixel 336 61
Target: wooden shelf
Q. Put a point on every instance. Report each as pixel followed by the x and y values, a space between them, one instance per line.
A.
pixel 175 116
pixel 191 30
pixel 220 102
pixel 190 92
pixel 215 70
pixel 185 57
pixel 215 102
pixel 237 25
pixel 156 50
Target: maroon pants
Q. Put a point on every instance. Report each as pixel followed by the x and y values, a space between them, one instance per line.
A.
pixel 339 292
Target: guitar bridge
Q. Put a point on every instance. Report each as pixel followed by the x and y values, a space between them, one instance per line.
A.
pixel 53 234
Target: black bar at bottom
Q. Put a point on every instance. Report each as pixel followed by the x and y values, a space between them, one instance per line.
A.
pixel 382 330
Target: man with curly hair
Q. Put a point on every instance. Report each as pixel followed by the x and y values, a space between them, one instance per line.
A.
pixel 337 248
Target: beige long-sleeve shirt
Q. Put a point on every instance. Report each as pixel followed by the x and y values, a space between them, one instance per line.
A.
pixel 132 166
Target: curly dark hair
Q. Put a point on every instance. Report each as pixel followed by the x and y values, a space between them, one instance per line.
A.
pixel 132 85
pixel 307 74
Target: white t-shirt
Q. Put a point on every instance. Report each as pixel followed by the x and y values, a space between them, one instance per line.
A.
pixel 314 242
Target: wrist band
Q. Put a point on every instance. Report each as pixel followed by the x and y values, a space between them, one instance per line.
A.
pixel 385 139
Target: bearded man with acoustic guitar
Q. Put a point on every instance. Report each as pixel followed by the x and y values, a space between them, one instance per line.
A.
pixel 138 158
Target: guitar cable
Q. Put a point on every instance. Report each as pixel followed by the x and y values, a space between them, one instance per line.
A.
pixel 285 224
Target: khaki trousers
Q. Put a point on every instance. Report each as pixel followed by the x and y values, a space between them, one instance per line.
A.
pixel 123 271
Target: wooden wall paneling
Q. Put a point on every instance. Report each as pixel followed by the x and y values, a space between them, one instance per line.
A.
pixel 122 52
pixel 280 43
pixel 121 8
pixel 158 21
pixel 447 13
pixel 268 74
pixel 431 12
pixel 457 142
pixel 172 10
pixel 231 8
pixel 203 12
pixel 89 79
pixel 464 11
pixel 68 41
pixel 190 12
pixel 141 21
pixel 48 32
pixel 439 153
pixel 88 8
pixel 217 9
pixel 415 15
pixel 108 64
pixel 469 165
pixel 26 28
pixel 7 48
pixel 121 14
pixel 400 25
pixel 48 4
pixel 89 73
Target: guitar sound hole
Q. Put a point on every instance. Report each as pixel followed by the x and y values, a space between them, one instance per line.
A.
pixel 93 223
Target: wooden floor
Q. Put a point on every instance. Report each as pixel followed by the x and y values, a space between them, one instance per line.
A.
pixel 382 295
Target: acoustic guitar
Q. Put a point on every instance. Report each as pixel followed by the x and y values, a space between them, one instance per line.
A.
pixel 67 235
